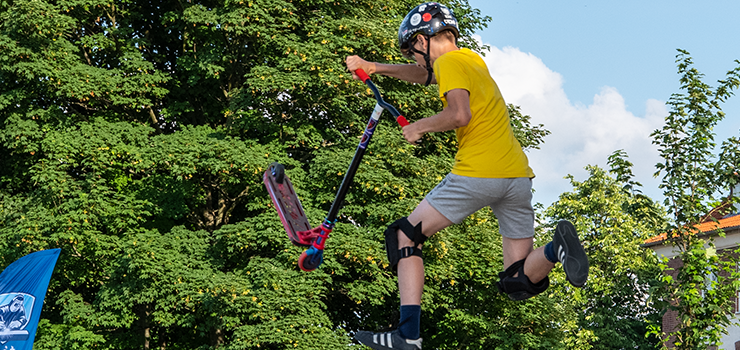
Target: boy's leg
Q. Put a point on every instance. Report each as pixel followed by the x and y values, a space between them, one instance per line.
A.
pixel 565 248
pixel 410 286
pixel 516 216
pixel 411 269
pixel 536 267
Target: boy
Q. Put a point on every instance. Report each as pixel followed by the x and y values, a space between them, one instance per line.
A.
pixel 490 169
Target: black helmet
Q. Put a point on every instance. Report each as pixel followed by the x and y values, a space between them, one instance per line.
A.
pixel 429 19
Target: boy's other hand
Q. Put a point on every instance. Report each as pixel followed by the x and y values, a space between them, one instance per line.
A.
pixel 355 62
pixel 412 134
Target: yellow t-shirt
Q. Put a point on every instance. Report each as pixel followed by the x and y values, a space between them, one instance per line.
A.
pixel 487 147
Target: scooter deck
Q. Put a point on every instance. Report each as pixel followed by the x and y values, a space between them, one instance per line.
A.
pixel 288 207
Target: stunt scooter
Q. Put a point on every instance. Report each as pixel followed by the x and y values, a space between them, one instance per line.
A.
pixel 289 207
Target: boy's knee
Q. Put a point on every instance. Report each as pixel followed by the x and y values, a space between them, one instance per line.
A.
pixel 517 285
pixel 403 240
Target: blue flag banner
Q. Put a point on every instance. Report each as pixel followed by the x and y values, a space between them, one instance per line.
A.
pixel 23 287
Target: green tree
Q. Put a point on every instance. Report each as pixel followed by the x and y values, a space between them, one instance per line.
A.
pixel 613 217
pixel 693 180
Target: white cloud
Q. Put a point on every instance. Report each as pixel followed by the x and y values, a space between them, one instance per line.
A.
pixel 581 135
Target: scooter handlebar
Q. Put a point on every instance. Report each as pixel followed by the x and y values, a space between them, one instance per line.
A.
pixel 401 120
pixel 363 76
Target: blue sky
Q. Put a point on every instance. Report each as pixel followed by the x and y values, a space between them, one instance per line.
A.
pixel 598 74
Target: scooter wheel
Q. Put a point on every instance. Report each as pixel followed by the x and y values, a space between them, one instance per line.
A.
pixel 309 262
pixel 278 172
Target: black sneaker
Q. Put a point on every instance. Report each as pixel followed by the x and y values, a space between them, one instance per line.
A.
pixel 387 340
pixel 570 253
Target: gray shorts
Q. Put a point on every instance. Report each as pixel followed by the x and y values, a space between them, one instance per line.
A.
pixel 456 197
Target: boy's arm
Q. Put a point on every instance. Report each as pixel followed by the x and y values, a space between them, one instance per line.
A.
pixel 407 72
pixel 457 114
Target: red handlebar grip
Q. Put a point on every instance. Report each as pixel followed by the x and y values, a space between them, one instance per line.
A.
pixel 363 76
pixel 402 121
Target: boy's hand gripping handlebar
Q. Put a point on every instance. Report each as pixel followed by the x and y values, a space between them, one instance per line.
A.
pixel 387 106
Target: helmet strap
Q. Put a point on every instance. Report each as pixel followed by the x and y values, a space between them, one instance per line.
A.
pixel 430 70
pixel 427 58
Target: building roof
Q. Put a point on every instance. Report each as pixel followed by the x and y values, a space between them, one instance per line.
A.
pixel 726 223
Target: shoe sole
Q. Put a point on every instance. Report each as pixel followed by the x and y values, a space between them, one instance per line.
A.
pixel 571 253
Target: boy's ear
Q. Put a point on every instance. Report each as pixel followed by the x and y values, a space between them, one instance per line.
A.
pixel 423 40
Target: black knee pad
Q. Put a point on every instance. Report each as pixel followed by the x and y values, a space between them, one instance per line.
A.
pixel 391 241
pixel 519 287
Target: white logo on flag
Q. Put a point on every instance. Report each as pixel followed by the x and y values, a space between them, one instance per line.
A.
pixel 15 312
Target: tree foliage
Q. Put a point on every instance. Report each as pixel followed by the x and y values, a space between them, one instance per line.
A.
pixel 702 288
pixel 613 218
